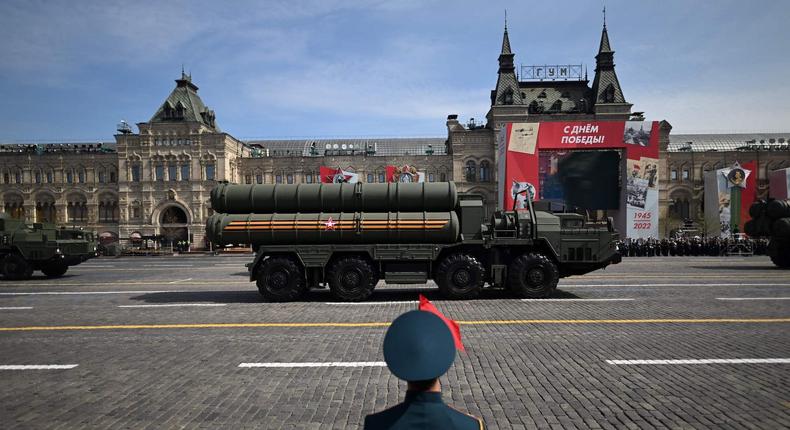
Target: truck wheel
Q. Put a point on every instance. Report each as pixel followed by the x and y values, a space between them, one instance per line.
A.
pixel 460 276
pixel 16 268
pixel 55 269
pixel 352 279
pixel 781 255
pixel 532 276
pixel 280 279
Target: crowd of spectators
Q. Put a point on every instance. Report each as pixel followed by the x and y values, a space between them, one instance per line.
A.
pixel 693 246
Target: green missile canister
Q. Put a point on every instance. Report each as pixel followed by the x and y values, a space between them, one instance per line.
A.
pixel 333 228
pixel 332 198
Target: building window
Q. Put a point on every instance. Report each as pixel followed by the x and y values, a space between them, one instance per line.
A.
pixel 159 172
pixel 77 211
pixel 278 179
pixel 136 173
pixel 70 176
pixel 102 176
pixel 471 171
pixel 172 173
pixel 370 178
pixel 485 171
pixel 289 178
pixel 49 177
pixel 108 211
pixel 382 178
pixel 113 179
pixel 259 178
pixel 308 178
pixel 247 179
pixel 673 175
pixel 136 212
pixel 685 174
pixel 38 177
pixel 185 172
pixel 431 178
pixel 443 177
pixel 81 176
pixel 209 172
pixel 18 177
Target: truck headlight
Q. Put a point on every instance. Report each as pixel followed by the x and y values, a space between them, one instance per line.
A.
pixel 57 251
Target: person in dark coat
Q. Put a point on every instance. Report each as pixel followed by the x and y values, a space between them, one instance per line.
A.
pixel 419 348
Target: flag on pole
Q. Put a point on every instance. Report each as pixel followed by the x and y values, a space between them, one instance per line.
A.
pixel 427 306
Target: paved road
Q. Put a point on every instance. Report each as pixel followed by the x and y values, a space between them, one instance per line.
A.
pixel 185 342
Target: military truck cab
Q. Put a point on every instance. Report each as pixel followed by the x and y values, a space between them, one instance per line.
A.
pixel 25 248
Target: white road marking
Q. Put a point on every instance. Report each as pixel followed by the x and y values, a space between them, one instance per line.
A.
pixel 94 266
pixel 577 300
pixel 80 293
pixel 172 265
pixel 326 364
pixel 180 280
pixel 14 308
pixel 37 366
pixel 741 284
pixel 172 305
pixel 706 361
pixel 372 303
pixel 752 298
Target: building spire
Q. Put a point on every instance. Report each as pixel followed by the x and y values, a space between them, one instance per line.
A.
pixel 604 17
pixel 606 86
pixel 505 40
pixel 507 90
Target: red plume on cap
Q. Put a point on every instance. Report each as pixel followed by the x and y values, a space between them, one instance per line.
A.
pixel 427 306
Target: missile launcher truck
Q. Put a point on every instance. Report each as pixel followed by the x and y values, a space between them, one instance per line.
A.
pixel 351 236
pixel 772 219
pixel 40 246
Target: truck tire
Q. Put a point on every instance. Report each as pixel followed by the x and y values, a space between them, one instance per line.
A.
pixel 280 279
pixel 780 253
pixel 54 269
pixel 532 276
pixel 16 268
pixel 460 277
pixel 352 279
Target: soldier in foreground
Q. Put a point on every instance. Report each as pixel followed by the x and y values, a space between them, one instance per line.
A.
pixel 419 348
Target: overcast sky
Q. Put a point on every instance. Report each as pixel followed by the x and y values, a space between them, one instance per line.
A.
pixel 71 70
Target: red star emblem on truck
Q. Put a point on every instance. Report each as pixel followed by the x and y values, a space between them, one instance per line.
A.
pixel 330 224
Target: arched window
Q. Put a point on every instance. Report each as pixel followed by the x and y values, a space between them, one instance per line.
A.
pixel 108 208
pixel 18 176
pixel 38 176
pixel 14 206
pixel 77 208
pixel 45 208
pixel 69 176
pixel 485 171
pixel 81 176
pixel 471 171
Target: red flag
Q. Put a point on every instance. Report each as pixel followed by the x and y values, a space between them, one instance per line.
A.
pixel 427 306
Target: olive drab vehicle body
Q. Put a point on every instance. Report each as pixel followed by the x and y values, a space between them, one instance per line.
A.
pixel 351 236
pixel 25 248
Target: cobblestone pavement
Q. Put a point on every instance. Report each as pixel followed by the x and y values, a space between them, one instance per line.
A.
pixel 158 342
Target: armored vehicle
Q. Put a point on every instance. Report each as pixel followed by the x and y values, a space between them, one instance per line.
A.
pixel 351 236
pixel 772 219
pixel 40 246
